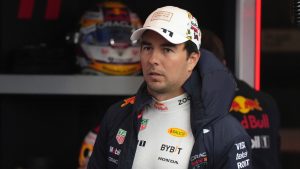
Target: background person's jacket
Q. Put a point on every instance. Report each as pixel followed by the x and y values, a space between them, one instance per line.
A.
pixel 220 141
pixel 258 113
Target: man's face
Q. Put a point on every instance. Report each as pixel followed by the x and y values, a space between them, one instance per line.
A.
pixel 165 66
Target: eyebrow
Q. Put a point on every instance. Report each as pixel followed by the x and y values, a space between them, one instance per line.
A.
pixel 145 43
pixel 168 44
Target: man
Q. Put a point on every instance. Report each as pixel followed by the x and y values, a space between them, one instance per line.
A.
pixel 179 117
pixel 257 112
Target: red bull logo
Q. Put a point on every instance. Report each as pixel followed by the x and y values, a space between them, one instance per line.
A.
pixel 244 105
pixel 115 11
pixel 253 122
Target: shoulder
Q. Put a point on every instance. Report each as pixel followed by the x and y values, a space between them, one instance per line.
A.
pixel 228 132
pixel 231 128
pixel 123 104
pixel 230 139
pixel 266 97
pixel 119 110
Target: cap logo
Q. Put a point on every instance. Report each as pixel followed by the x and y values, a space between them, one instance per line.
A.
pixel 165 31
pixel 162 15
pixel 193 33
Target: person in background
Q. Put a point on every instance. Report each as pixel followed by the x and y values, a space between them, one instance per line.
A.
pixel 87 146
pixel 256 110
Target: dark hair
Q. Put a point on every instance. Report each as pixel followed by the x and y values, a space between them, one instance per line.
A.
pixel 191 47
pixel 213 43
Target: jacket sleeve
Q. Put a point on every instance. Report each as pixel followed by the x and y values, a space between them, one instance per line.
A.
pixel 238 155
pixel 98 157
pixel 217 92
pixel 276 127
pixel 275 139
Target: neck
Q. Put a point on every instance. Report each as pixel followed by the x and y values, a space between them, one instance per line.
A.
pixel 165 96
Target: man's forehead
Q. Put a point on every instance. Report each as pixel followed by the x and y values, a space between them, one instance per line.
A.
pixel 150 37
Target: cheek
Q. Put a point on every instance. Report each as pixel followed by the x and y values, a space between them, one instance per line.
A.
pixel 179 70
pixel 143 60
pixel 177 66
pixel 143 63
pixel 174 71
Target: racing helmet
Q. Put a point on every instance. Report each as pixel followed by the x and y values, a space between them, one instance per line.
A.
pixel 104 41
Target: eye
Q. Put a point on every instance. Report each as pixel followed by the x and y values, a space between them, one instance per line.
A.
pixel 146 48
pixel 167 50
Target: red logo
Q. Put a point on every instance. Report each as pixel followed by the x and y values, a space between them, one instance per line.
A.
pixel 160 106
pixel 52 9
pixel 252 122
pixel 244 105
pixel 199 160
pixel 130 100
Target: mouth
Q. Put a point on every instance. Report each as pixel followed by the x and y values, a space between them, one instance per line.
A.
pixel 154 75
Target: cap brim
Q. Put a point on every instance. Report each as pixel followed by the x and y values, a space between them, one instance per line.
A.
pixel 136 35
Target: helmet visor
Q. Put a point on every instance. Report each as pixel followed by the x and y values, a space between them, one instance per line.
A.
pixel 116 36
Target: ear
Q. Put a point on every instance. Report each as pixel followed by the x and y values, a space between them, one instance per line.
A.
pixel 224 62
pixel 193 60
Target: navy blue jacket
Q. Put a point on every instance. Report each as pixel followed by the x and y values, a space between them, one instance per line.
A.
pixel 258 113
pixel 220 141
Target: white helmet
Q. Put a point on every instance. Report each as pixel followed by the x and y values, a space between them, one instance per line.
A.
pixel 104 40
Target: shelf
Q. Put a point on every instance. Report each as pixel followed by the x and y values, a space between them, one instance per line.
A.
pixel 69 84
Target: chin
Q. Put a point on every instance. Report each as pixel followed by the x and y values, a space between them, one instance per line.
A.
pixel 155 87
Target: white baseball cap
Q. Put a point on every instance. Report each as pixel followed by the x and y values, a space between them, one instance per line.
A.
pixel 174 24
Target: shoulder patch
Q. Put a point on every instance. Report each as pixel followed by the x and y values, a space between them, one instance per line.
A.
pixel 127 101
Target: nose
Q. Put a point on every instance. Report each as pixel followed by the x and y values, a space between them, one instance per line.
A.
pixel 154 57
